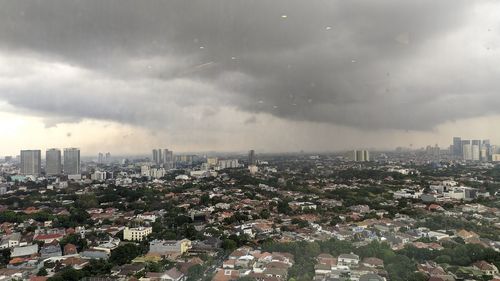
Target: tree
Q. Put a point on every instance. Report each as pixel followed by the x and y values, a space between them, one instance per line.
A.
pixel 283 208
pixel 68 274
pixel 125 254
pixel 443 259
pixel 205 199
pixel 195 273
pixel 265 213
pixel 4 256
pixel 42 272
pixel 417 276
pixel 229 244
pixel 74 239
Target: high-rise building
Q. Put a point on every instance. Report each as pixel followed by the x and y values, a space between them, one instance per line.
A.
pixel 366 154
pixel 360 155
pixel 168 159
pixel 72 161
pixel 53 162
pixel 31 162
pixel 457 147
pixel 484 153
pixel 157 157
pixel 184 159
pixel 212 162
pixel 107 159
pixel 476 152
pixel 100 158
pixel 467 150
pixel 251 157
pixel 476 142
pixel 163 157
pixel 228 164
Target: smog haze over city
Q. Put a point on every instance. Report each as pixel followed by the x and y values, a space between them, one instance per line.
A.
pixel 249 140
pixel 278 76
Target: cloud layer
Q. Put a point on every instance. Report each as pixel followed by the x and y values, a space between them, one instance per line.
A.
pixel 396 65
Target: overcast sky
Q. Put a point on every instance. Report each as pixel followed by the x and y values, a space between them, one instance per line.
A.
pixel 127 75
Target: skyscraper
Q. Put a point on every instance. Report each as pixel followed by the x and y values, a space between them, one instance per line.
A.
pixel 484 153
pixel 457 147
pixel 360 155
pixel 168 159
pixel 476 142
pixel 100 158
pixel 157 158
pixel 31 162
pixel 53 162
pixel 466 150
pixel 72 161
pixel 251 157
pixel 476 152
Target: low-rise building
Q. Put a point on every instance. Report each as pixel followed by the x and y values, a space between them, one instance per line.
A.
pixel 167 247
pixel 136 233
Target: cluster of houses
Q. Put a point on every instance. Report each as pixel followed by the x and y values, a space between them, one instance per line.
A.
pixel 349 267
pixel 264 266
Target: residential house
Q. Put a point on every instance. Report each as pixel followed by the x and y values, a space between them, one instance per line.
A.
pixel 348 260
pixel 51 250
pixel 10 240
pixel 486 268
pixel 25 251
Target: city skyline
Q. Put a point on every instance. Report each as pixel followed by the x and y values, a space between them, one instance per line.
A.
pixel 245 78
pixel 238 140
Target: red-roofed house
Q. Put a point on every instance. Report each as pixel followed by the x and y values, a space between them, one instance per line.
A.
pixel 48 238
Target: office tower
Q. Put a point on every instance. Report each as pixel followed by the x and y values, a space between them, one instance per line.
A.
pixel 492 149
pixel 100 158
pixel 251 157
pixel 212 161
pixel 98 176
pixel 107 159
pixel 53 162
pixel 433 151
pixel 467 150
pixel 464 142
pixel 31 162
pixel 476 152
pixel 457 147
pixel 72 161
pixel 157 156
pixel 228 164
pixel 184 159
pixel 366 155
pixel 168 159
pixel 360 155
pixel 484 154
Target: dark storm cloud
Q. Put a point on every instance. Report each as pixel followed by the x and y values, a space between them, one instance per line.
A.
pixel 351 63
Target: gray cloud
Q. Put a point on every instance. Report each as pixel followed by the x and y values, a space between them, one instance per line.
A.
pixel 363 64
